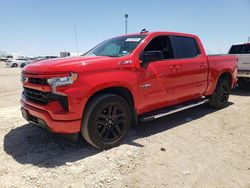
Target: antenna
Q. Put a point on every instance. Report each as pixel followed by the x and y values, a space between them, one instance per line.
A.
pixel 76 40
pixel 143 31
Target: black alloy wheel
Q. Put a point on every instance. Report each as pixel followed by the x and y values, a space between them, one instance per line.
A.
pixel 219 98
pixel 106 121
pixel 111 122
pixel 223 94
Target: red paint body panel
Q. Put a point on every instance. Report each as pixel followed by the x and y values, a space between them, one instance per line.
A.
pixel 172 81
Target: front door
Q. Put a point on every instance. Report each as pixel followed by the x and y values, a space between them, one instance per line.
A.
pixel 157 80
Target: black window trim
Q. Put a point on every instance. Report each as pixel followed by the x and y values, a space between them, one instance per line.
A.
pixel 176 50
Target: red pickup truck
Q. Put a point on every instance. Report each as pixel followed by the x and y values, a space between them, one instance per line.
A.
pixel 134 77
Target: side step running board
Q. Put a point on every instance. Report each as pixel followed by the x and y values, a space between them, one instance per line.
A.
pixel 173 109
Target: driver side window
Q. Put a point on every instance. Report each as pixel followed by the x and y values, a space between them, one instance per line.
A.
pixel 161 43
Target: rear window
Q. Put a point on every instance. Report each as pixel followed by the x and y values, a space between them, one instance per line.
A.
pixel 240 49
pixel 186 47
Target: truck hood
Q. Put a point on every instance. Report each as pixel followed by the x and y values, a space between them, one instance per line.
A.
pixel 66 65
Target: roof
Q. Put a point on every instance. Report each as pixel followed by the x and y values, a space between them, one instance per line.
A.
pixel 162 33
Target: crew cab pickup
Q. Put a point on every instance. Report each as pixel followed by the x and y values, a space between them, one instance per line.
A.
pixel 242 51
pixel 136 77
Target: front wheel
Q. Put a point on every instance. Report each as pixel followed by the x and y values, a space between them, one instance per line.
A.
pixel 219 98
pixel 106 121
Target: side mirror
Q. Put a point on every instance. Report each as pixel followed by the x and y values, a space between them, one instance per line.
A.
pixel 149 56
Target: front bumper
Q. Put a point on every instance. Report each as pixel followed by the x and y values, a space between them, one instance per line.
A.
pixel 43 118
pixel 58 113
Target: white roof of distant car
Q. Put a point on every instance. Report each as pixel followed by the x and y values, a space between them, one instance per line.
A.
pixel 240 43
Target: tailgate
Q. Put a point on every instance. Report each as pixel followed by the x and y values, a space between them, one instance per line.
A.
pixel 244 62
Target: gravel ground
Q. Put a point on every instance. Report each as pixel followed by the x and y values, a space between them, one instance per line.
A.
pixel 199 147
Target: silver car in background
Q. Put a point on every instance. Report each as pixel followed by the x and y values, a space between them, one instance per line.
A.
pixel 19 62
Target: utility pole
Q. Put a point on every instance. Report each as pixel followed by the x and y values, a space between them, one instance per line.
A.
pixel 76 40
pixel 248 39
pixel 126 23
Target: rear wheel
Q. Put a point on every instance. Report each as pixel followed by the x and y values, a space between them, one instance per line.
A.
pixel 106 121
pixel 219 98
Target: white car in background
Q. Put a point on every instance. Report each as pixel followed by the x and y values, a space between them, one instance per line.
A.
pixel 19 62
pixel 242 51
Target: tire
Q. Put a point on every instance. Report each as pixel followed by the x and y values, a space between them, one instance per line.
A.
pixel 106 121
pixel 219 98
pixel 22 65
pixel 244 83
pixel 14 65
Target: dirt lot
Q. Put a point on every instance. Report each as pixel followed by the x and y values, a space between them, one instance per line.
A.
pixel 200 147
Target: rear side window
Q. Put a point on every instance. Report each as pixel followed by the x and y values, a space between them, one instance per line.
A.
pixel 240 49
pixel 186 47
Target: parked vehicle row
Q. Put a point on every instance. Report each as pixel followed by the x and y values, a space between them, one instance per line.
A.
pixel 138 77
pixel 5 58
pixel 19 62
pixel 22 62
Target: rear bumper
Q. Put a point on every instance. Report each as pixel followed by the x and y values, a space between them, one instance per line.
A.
pixel 243 74
pixel 44 119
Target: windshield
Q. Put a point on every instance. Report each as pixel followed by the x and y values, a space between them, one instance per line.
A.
pixel 117 47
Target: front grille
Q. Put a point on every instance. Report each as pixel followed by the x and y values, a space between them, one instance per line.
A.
pixel 41 81
pixel 45 97
pixel 36 96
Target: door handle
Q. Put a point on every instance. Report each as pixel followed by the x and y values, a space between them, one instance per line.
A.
pixel 146 85
pixel 175 67
pixel 203 66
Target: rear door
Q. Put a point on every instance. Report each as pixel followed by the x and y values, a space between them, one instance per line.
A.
pixel 193 68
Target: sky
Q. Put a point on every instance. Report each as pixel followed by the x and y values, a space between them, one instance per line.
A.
pixel 46 27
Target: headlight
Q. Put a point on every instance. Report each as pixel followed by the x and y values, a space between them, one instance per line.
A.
pixel 62 81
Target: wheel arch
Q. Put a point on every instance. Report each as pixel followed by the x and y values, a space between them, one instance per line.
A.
pixel 225 74
pixel 121 91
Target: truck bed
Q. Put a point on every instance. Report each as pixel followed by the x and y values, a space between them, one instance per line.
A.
pixel 217 65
